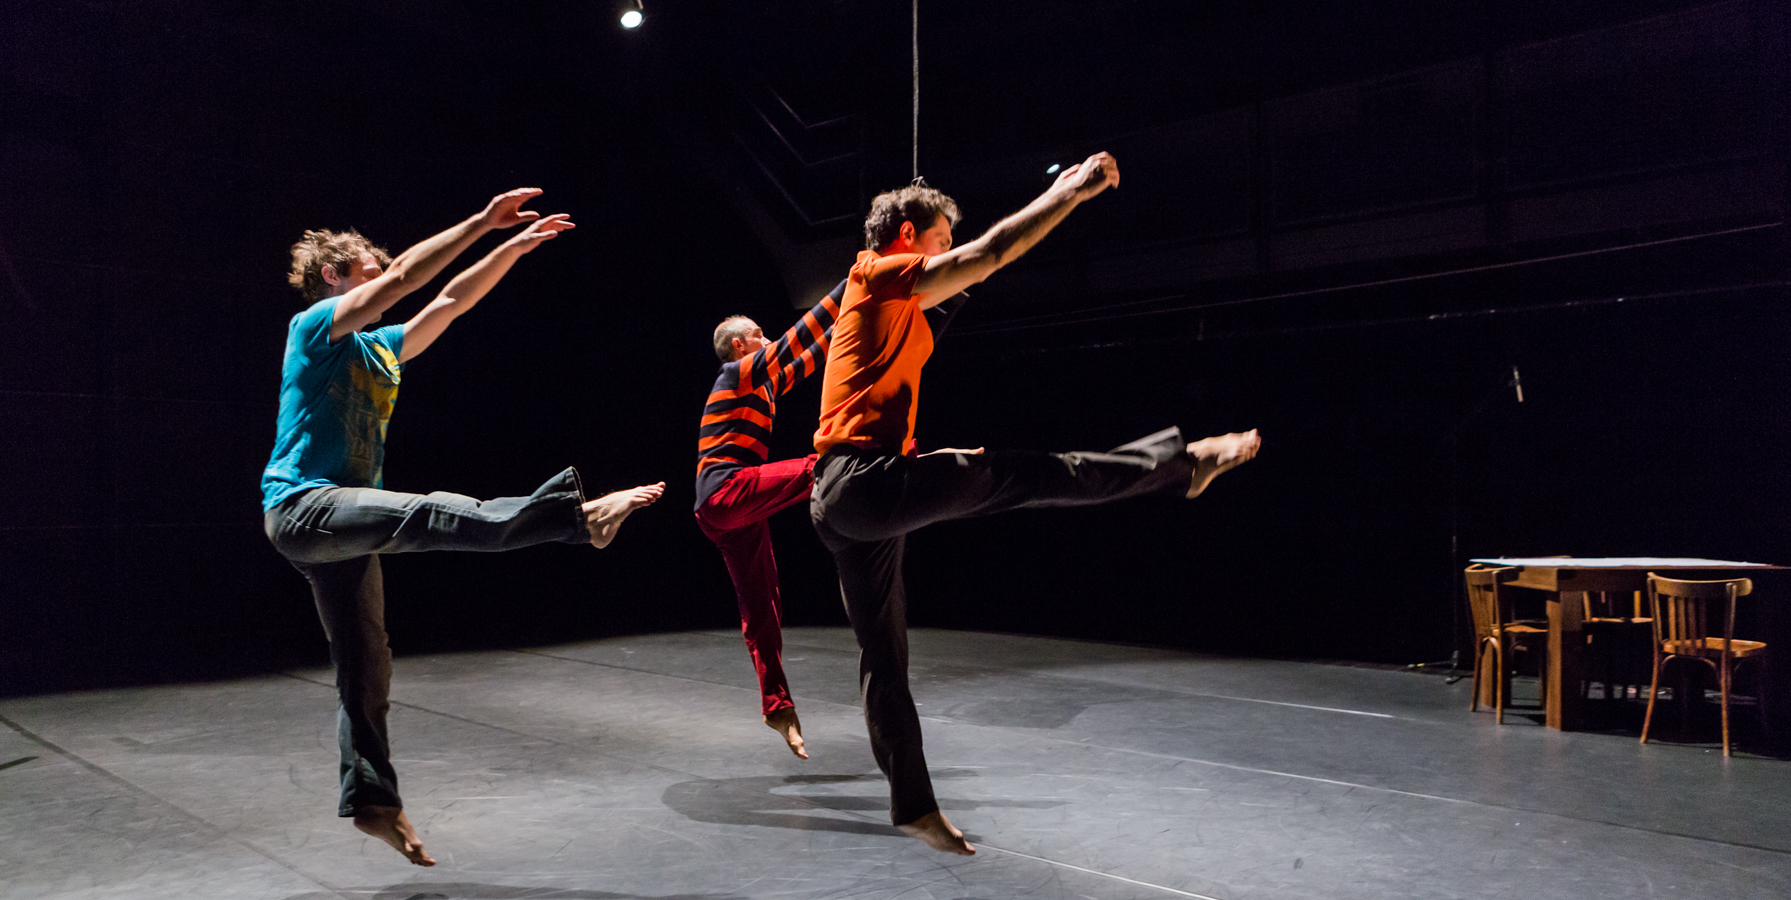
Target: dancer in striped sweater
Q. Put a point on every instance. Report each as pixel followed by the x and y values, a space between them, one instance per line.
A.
pixel 737 489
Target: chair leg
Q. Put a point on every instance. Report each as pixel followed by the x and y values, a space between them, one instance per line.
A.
pixel 1542 675
pixel 1613 671
pixel 1479 656
pixel 1634 657
pixel 1501 678
pixel 1616 687
pixel 1760 689
pixel 1653 695
pixel 1596 653
pixel 1586 682
pixel 1723 677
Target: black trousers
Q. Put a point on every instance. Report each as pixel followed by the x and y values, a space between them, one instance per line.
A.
pixel 334 536
pixel 863 506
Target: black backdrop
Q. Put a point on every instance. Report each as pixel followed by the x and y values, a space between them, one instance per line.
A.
pixel 160 157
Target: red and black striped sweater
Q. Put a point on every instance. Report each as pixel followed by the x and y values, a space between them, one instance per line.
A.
pixel 742 407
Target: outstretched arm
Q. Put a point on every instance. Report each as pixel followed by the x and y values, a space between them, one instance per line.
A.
pixel 803 349
pixel 415 267
pixel 960 267
pixel 470 286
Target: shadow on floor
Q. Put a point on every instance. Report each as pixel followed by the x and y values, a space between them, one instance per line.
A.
pixel 469 890
pixel 750 801
pixel 474 891
pixel 17 762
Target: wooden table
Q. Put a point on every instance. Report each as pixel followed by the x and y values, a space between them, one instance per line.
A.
pixel 1565 579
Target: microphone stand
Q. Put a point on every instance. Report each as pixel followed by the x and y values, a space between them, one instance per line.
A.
pixel 1457 585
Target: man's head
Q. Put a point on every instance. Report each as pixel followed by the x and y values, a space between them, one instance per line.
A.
pixel 738 336
pixel 328 263
pixel 915 219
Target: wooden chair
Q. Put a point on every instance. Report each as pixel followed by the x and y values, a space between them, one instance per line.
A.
pixel 1687 616
pixel 1616 635
pixel 1495 630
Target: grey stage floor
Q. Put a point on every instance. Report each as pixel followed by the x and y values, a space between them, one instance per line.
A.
pixel 637 768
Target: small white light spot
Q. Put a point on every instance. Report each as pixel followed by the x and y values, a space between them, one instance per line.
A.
pixel 631 19
pixel 1052 169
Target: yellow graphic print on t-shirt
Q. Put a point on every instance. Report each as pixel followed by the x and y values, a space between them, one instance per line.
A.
pixel 371 393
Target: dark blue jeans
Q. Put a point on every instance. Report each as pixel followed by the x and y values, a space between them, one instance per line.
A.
pixel 334 535
pixel 863 506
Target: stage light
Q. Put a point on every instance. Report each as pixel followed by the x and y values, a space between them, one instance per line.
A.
pixel 1052 169
pixel 632 14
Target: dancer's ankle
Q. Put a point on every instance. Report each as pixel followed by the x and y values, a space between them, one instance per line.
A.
pixel 933 830
pixel 784 721
pixel 389 824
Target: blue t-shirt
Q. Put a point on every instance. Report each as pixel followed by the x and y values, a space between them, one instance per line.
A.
pixel 335 401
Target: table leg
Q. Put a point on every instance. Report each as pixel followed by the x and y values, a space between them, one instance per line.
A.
pixel 1566 658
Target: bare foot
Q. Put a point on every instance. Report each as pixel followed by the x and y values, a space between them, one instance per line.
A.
pixel 389 824
pixel 785 723
pixel 1218 454
pixel 938 834
pixel 604 515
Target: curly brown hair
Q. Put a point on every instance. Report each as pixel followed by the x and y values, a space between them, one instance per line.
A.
pixel 336 249
pixel 919 204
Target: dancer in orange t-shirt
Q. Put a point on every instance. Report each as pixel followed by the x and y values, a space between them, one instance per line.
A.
pixel 871 488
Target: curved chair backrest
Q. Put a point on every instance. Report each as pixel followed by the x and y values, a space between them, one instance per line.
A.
pixel 1682 609
pixel 1483 597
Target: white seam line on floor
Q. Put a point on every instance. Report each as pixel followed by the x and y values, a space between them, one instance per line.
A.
pixel 1349 712
pixel 1063 865
pixel 203 823
pixel 1180 692
pixel 1207 762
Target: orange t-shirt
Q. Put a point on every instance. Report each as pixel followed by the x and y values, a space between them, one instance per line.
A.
pixel 881 340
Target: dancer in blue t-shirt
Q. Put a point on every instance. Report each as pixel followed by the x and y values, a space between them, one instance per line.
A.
pixel 325 509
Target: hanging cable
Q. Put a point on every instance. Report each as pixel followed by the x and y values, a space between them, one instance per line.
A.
pixel 914 158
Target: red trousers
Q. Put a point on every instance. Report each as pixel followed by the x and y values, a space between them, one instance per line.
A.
pixel 734 518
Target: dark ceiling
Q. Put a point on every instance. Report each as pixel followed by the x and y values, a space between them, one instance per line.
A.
pixel 1007 77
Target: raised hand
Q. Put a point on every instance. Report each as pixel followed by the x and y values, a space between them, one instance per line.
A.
pixel 504 210
pixel 1090 176
pixel 540 230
